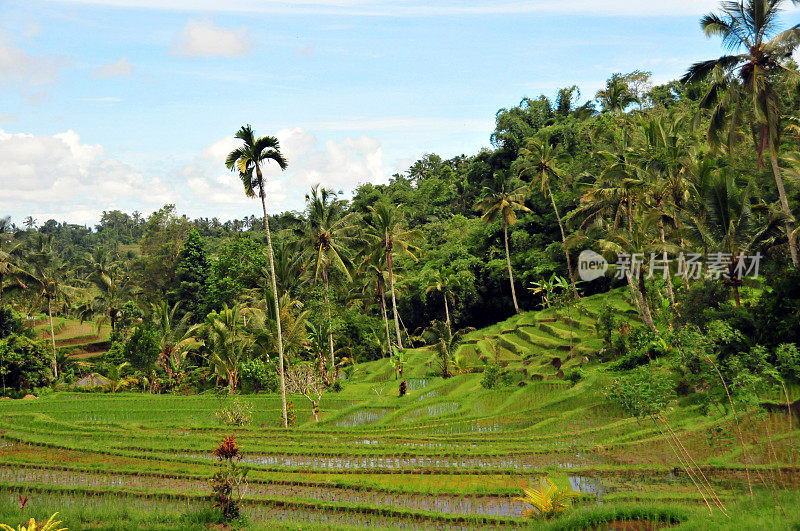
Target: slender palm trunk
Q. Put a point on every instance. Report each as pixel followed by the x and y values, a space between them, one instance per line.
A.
pixel 646 304
pixel 330 319
pixel 784 202
pixel 510 273
pixel 447 312
pixel 629 212
pixel 275 297
pixel 564 242
pixel 640 302
pixel 233 382
pixel 385 320
pixel 394 300
pixel 52 337
pixel 670 291
pixel 682 265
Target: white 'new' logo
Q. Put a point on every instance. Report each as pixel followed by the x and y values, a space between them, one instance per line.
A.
pixel 591 265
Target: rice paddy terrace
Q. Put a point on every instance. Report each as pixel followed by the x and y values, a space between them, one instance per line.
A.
pixel 81 340
pixel 448 454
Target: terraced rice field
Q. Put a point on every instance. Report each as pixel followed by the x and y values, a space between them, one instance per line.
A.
pixel 81 339
pixel 450 454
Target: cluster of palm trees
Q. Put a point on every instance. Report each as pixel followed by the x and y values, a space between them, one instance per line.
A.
pixel 660 190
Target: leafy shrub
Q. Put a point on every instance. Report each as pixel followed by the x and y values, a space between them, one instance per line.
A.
pixel 24 363
pixel 10 323
pixel 141 349
pixel 641 347
pixel 607 322
pixel 491 376
pixel 547 501
pixel 291 416
pixel 778 310
pixel 697 306
pixel 236 414
pixel 494 376
pixel 130 314
pixel 642 392
pixel 787 361
pixel 115 354
pixel 574 376
pixel 259 376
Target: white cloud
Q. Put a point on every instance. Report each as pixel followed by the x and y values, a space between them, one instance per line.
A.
pixel 120 68
pixel 406 123
pixel 339 164
pixel 20 68
pixel 202 38
pixel 32 29
pixel 104 99
pixel 226 190
pixel 412 8
pixel 218 151
pixel 60 177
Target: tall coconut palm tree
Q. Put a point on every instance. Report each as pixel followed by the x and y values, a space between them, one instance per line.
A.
pixel 373 267
pixel 617 95
pixel 639 241
pixel 500 202
pixel 386 234
pixel 7 255
pixel 48 277
pixel 248 160
pixel 663 160
pixel 728 222
pixel 107 276
pixel 540 161
pixel 743 86
pixel 327 237
pixel 444 280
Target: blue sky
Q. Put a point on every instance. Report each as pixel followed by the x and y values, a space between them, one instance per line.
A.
pixel 131 104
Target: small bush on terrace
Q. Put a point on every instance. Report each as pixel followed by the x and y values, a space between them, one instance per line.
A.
pixel 238 413
pixel 494 376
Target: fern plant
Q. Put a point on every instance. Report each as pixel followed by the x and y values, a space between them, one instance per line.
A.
pixel 546 501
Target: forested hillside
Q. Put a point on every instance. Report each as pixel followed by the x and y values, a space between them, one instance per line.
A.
pixel 639 169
